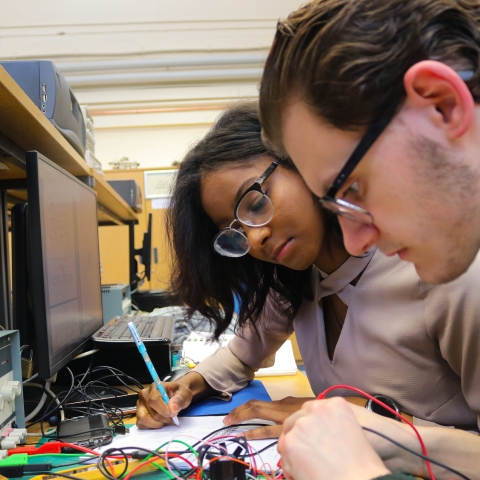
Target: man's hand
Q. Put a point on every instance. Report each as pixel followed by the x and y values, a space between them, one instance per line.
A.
pixel 323 440
pixel 152 412
pixel 277 411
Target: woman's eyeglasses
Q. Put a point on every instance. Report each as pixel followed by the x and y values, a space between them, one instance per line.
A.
pixel 253 209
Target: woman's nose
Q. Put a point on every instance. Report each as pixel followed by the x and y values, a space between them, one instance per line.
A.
pixel 257 236
pixel 358 237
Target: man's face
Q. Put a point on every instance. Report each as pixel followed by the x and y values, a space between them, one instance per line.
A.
pixel 420 189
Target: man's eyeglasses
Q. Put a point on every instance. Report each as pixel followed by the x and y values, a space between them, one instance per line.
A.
pixel 253 209
pixel 340 206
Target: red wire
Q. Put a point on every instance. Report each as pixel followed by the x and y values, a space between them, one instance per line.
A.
pixel 93 452
pixel 156 459
pixel 321 396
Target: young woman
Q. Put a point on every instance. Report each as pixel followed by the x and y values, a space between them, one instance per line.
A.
pixel 244 223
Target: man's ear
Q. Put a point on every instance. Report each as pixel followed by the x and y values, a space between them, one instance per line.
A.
pixel 432 83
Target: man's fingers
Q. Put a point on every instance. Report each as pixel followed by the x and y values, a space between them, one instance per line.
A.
pixel 268 431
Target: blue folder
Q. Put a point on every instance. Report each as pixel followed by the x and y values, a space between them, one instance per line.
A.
pixel 216 406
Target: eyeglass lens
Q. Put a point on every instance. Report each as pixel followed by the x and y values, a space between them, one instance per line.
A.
pixel 230 242
pixel 255 209
pixel 346 210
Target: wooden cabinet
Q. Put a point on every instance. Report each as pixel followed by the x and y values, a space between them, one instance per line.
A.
pixel 114 252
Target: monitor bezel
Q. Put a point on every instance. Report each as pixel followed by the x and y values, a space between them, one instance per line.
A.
pixel 45 369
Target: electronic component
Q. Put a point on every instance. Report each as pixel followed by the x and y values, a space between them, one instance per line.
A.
pixel 12 416
pixel 115 301
pixel 130 191
pixel 227 470
pixel 50 92
pixel 91 432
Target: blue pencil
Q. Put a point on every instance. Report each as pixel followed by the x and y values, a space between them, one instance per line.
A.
pixel 143 351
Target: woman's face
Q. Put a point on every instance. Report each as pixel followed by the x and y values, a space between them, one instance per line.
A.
pixel 294 235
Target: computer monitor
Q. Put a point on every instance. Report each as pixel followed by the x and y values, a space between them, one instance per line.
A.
pixel 62 286
pixel 145 254
pixel 146 257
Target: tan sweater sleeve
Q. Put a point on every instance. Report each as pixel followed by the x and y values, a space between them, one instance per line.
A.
pixel 230 368
pixel 453 321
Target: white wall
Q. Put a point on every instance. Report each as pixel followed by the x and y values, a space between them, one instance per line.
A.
pixel 140 111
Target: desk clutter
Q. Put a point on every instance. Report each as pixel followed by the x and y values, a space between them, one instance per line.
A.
pixel 122 450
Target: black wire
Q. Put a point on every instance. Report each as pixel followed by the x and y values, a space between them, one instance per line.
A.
pixel 425 457
pixel 61 404
pixel 101 462
pixel 78 462
pixel 262 450
pixel 113 413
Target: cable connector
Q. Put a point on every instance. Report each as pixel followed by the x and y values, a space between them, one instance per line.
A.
pixel 15 460
pixel 121 430
pixel 16 471
pixel 50 447
pixel 139 454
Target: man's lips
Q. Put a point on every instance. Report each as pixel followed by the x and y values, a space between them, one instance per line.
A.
pixel 401 253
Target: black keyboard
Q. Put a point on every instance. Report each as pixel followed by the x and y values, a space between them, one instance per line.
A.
pixel 150 327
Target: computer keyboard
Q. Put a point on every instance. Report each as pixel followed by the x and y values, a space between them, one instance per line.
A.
pixel 150 327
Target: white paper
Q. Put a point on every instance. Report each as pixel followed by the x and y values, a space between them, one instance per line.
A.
pixel 197 347
pixel 191 430
pixel 158 203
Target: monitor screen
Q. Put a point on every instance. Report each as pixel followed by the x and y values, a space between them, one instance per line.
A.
pixel 64 263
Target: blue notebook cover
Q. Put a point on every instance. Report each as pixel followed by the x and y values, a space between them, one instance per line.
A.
pixel 216 406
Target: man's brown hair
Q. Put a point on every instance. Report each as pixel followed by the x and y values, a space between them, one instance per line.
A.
pixel 346 59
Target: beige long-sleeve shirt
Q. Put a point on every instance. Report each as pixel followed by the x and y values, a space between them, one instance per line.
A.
pixel 414 342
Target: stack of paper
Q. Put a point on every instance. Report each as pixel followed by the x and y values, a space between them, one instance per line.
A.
pixel 198 346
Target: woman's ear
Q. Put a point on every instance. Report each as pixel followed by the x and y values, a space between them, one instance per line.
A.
pixel 432 83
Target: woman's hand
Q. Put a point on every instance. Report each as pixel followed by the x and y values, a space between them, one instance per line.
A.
pixel 152 412
pixel 277 411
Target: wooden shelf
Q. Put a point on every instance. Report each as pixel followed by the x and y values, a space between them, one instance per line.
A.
pixel 23 124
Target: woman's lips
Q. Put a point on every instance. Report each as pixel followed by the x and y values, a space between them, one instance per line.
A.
pixel 284 251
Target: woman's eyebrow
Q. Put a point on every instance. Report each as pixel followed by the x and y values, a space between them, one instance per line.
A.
pixel 241 189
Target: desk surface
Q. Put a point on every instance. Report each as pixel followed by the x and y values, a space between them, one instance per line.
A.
pixel 23 124
pixel 277 387
pixel 287 386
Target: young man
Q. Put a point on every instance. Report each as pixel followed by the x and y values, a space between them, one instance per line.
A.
pixel 377 103
pixel 338 67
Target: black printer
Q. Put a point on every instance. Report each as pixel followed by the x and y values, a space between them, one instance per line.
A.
pixel 50 92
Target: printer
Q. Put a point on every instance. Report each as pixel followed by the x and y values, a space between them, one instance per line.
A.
pixel 50 92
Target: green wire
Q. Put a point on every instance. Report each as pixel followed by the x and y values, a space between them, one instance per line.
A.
pixel 179 441
pixel 163 470
pixel 62 455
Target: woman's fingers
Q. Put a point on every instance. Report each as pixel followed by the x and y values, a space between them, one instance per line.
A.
pixel 152 412
pixel 276 411
pixel 145 419
pixel 267 431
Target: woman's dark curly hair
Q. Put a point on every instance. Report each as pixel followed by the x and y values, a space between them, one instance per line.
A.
pixel 202 279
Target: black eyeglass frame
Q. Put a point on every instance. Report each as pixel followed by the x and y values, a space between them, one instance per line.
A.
pixel 255 187
pixel 373 132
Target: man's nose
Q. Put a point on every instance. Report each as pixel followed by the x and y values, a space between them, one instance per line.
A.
pixel 358 237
